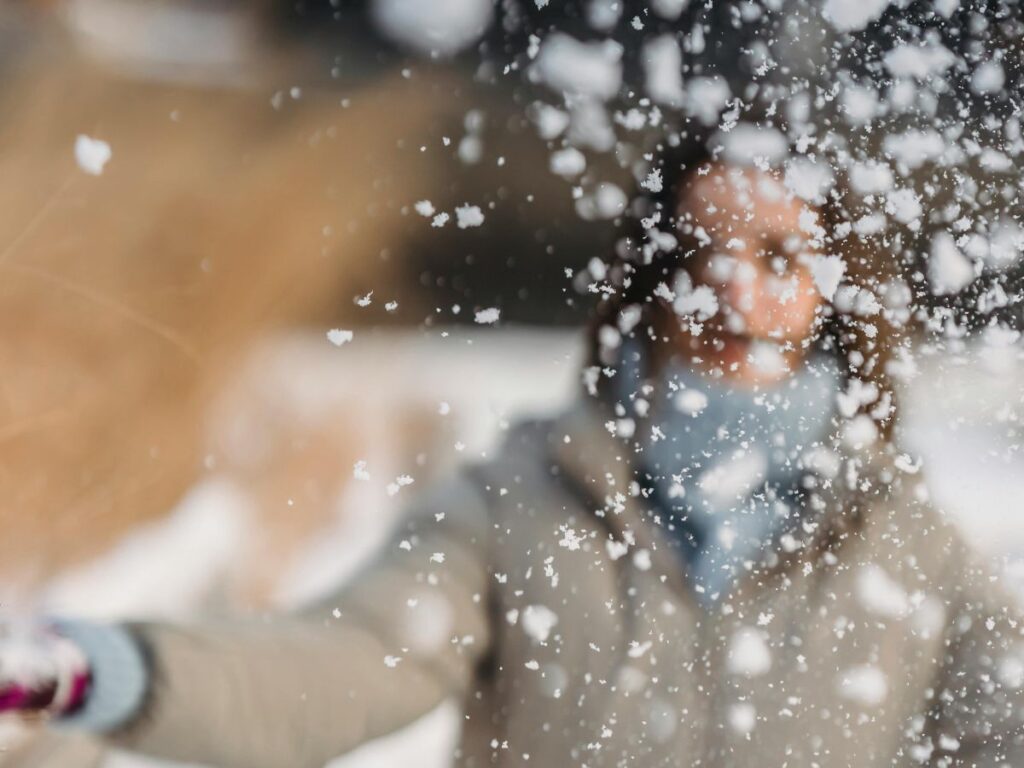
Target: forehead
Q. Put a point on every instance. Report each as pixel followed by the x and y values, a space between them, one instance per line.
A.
pixel 733 197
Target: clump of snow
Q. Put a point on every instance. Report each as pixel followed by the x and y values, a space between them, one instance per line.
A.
pixel 706 97
pixel 590 126
pixel 551 121
pixel 689 300
pixel 914 148
pixel 690 401
pixel 860 432
pixel 865 684
pixel 808 179
pixel 606 202
pixel 440 220
pixel 860 104
pixel 1004 245
pixel 568 162
pixel 742 717
pixel 948 743
pixel 858 393
pixel 642 559
pixel 468 216
pixel 663 68
pixel 994 160
pixel 871 224
pixel 988 78
pixel 948 269
pixel 582 69
pixel 919 61
pixel 441 27
pixel 747 143
pixel 537 621
pixel 616 549
pixel 400 482
pixel 768 357
pixel 749 654
pixel 91 154
pixel 1010 671
pixel 903 205
pixel 870 178
pixel 571 540
pixel 879 593
pixel 929 617
pixel 339 336
pixel 359 471
pixel 653 181
pixel 822 461
pixel 637 649
pixel 488 316
pixel 603 15
pixel 852 15
pixel 425 208
pixel 827 272
pixel 668 9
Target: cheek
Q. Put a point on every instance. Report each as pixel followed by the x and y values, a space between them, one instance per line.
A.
pixel 784 307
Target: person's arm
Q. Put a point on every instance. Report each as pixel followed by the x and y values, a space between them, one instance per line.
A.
pixel 299 690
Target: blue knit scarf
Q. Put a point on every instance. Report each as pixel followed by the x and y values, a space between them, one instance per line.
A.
pixel 724 463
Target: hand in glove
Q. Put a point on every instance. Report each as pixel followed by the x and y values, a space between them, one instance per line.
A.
pixel 40 671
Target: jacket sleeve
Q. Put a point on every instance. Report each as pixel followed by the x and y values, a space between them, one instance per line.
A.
pixel 299 690
pixel 48 748
pixel 978 714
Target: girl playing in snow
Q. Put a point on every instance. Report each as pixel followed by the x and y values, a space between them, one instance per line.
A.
pixel 716 557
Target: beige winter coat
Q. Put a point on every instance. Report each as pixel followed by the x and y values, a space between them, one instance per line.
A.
pixel 539 589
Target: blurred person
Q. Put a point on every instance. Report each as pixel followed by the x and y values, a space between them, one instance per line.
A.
pixel 132 296
pixel 717 556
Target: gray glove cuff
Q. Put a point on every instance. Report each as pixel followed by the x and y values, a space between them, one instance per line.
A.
pixel 119 676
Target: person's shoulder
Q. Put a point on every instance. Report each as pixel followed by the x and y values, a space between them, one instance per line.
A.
pixel 915 530
pixel 527 442
pixel 521 456
pixel 523 464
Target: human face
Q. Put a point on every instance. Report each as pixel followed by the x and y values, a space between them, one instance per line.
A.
pixel 755 243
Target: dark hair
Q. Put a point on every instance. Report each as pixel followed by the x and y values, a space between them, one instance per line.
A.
pixel 638 265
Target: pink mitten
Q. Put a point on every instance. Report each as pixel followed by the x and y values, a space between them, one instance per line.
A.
pixel 40 671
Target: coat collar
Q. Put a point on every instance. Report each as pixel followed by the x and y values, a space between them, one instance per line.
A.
pixel 600 465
